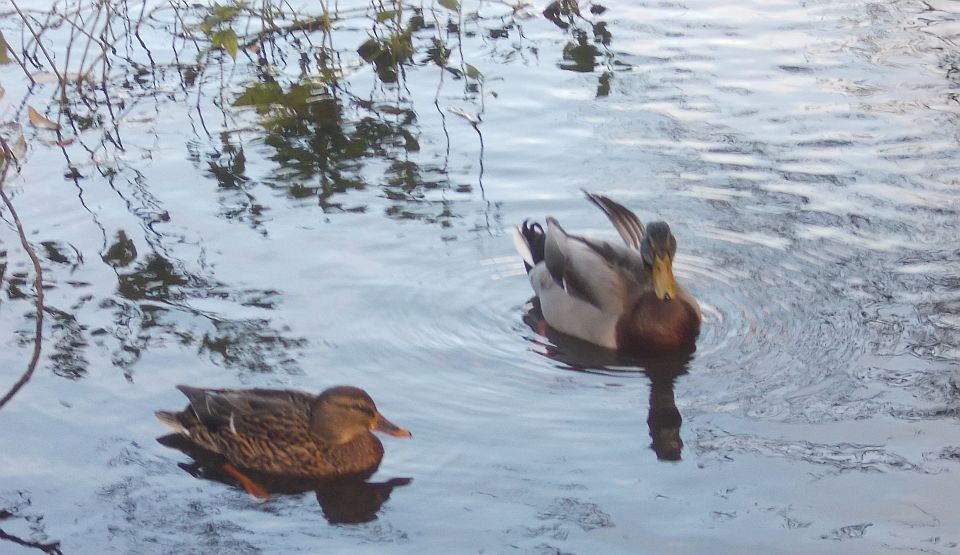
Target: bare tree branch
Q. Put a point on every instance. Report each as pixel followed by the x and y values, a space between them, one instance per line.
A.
pixel 49 548
pixel 8 159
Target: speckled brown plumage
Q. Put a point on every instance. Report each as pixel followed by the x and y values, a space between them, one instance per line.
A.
pixel 285 432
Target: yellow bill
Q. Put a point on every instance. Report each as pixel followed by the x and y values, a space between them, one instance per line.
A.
pixel 664 285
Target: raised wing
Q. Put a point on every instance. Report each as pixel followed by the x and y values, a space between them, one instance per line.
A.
pixel 628 225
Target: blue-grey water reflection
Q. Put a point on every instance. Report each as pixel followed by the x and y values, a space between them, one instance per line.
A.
pixel 300 219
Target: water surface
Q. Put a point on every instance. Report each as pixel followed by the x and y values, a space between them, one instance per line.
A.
pixel 804 153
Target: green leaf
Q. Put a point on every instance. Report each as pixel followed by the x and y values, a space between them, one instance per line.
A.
pixel 226 40
pixel 217 15
pixel 474 73
pixel 452 5
pixel 4 51
pixel 399 46
pixel 386 16
pixel 231 43
pixel 225 13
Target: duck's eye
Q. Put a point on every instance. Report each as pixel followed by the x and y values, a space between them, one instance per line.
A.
pixel 366 410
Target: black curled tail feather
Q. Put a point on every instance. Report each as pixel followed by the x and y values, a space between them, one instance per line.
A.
pixel 530 241
pixel 536 239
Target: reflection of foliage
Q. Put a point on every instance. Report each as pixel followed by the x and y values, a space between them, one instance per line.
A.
pixel 56 253
pixel 319 134
pixel 161 289
pixel 276 76
pixel 122 252
pixel 152 307
pixel 582 53
pixel 389 53
pixel 228 166
pixel 68 345
pixel 327 140
pixel 153 279
pixel 250 345
pixel 562 12
pixel 319 128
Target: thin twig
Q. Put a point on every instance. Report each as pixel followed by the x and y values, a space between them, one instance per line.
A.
pixel 8 158
pixel 308 26
pixel 86 49
pixel 20 63
pixel 26 23
pixel 49 548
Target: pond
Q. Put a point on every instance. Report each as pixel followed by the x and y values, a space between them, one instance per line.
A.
pixel 333 203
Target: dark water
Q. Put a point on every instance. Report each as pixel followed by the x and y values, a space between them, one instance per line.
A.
pixel 805 154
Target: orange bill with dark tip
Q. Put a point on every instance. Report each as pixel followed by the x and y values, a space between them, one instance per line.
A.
pixel 381 424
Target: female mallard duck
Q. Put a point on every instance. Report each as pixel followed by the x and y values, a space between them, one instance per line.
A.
pixel 285 432
pixel 619 297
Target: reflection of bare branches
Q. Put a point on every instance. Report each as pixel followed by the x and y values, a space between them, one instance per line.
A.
pixel 440 56
pixel 36 37
pixel 310 25
pixel 38 281
pixel 68 344
pixel 323 135
pixel 475 123
pixel 23 66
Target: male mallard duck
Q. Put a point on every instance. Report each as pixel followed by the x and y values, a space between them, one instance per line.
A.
pixel 619 297
pixel 285 432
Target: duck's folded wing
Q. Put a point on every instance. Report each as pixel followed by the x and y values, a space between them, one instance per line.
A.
pixel 215 408
pixel 588 270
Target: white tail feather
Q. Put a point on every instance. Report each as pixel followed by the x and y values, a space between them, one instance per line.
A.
pixel 523 249
pixel 170 420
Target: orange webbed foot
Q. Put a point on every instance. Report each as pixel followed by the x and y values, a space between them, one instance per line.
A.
pixel 248 484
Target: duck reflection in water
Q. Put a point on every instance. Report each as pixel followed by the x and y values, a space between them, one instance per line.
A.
pixel 663 419
pixel 350 500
